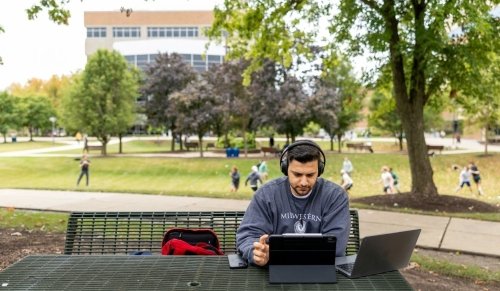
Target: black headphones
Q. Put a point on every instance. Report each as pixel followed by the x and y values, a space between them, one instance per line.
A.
pixel 284 156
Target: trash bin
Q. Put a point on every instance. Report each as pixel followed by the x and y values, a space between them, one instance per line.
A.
pixel 236 152
pixel 229 152
pixel 14 139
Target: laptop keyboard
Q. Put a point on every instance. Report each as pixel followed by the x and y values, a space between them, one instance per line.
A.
pixel 347 267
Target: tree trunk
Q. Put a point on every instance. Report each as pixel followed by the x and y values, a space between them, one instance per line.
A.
pixel 339 139
pixel 411 105
pixel 486 140
pixel 200 143
pixel 120 144
pixel 331 143
pixel 31 133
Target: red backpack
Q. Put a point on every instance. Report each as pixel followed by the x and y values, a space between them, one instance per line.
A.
pixel 184 241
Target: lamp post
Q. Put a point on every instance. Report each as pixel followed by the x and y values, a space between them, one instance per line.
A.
pixel 53 120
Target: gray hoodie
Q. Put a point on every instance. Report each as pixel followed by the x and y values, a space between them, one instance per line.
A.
pixel 274 210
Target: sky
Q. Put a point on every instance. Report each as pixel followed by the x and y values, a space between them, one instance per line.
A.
pixel 40 48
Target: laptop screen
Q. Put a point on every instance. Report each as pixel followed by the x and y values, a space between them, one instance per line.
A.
pixel 302 249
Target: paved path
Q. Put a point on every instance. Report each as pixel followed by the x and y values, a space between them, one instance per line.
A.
pixel 441 233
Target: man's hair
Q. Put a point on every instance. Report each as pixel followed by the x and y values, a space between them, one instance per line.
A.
pixel 304 153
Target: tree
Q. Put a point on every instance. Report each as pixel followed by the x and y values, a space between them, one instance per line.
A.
pixel 384 116
pixel 410 36
pixel 102 102
pixel 9 117
pixel 481 97
pixel 195 107
pixel 337 104
pixel 293 111
pixel 35 114
pixel 166 75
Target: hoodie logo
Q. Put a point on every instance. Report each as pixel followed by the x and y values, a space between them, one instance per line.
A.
pixel 300 226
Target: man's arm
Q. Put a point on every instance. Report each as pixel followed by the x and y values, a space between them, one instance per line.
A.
pixel 337 220
pixel 255 224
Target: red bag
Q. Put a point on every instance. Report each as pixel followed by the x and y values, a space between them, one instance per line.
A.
pixel 184 241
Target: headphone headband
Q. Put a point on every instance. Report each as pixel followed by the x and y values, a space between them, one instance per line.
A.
pixel 284 156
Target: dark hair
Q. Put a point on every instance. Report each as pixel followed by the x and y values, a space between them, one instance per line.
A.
pixel 304 153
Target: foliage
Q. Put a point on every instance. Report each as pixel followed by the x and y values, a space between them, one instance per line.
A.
pixel 9 116
pixel 195 108
pixel 35 113
pixel 166 75
pixel 103 100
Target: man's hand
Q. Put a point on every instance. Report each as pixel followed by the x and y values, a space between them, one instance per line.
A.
pixel 261 251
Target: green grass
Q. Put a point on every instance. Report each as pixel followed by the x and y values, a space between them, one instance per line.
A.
pixel 470 272
pixel 209 177
pixel 33 220
pixel 25 145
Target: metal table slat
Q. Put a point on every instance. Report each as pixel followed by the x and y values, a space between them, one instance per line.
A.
pixel 112 272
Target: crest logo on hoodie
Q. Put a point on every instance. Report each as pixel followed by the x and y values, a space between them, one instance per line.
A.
pixel 300 226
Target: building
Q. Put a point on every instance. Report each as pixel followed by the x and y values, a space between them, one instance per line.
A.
pixel 141 35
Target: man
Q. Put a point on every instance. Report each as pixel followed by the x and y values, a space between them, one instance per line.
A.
pixel 84 169
pixel 474 170
pixel 300 202
pixel 254 179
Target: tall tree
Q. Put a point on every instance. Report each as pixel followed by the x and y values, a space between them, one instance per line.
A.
pixel 195 107
pixel 404 34
pixel 9 117
pixel 35 114
pixel 102 103
pixel 166 75
pixel 293 110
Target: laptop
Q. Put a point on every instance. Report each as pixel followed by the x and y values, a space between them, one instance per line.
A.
pixel 302 258
pixel 379 254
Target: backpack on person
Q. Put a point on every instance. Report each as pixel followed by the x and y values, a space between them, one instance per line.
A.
pixel 184 241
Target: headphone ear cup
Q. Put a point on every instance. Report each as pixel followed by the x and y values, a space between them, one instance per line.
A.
pixel 284 166
pixel 321 168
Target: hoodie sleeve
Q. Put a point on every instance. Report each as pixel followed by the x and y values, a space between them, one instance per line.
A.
pixel 337 219
pixel 256 222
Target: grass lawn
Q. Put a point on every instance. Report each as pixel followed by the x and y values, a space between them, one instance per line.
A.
pixel 26 145
pixel 209 177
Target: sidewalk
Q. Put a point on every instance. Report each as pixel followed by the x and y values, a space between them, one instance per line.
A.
pixel 440 233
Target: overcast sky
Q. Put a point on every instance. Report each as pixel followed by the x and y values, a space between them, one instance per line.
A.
pixel 40 48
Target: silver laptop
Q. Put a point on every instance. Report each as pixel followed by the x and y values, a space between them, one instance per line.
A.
pixel 302 258
pixel 379 254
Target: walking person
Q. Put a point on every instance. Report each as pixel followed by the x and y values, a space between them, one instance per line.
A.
pixel 395 179
pixel 235 179
pixel 263 170
pixel 84 169
pixel 474 170
pixel 464 179
pixel 254 179
pixel 387 180
pixel 347 166
pixel 347 182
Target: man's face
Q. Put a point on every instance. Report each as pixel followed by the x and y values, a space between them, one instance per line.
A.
pixel 302 176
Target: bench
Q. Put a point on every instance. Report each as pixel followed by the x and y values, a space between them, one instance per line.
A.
pixel 89 148
pixel 121 233
pixel 439 148
pixel 210 145
pixel 270 150
pixel 191 144
pixel 359 146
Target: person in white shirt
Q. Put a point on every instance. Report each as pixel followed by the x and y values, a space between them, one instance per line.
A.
pixel 347 182
pixel 347 166
pixel 464 179
pixel 387 180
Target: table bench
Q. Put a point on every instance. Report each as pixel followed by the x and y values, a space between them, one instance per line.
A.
pixel 359 146
pixel 210 145
pixel 270 150
pixel 63 272
pixel 118 233
pixel 439 148
pixel 191 144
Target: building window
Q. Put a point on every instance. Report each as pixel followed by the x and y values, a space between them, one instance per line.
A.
pixel 198 62
pixel 130 32
pixel 96 32
pixel 161 32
